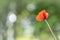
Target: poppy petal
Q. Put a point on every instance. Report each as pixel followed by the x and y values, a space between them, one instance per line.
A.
pixel 42 15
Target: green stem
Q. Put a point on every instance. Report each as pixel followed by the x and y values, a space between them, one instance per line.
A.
pixel 51 30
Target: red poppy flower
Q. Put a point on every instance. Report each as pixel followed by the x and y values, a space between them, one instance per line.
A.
pixel 42 16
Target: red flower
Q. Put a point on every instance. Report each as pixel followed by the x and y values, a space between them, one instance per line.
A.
pixel 42 16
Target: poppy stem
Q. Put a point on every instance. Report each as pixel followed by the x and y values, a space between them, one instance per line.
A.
pixel 51 30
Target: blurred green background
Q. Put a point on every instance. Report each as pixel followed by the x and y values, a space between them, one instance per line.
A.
pixel 17 19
